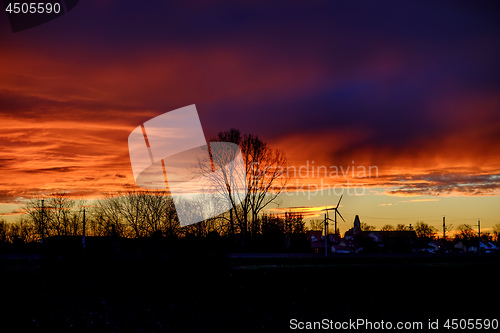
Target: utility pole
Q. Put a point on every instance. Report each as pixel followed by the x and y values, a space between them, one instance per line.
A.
pixel 326 237
pixel 444 228
pixel 287 227
pixel 478 237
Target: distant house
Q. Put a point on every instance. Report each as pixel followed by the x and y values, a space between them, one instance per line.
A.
pixel 391 241
pixel 345 246
pixel 488 247
pixel 341 248
pixel 431 247
pixel 435 246
pixel 376 236
pixel 316 239
pixel 314 236
pixel 460 246
pixel 333 238
pixel 465 247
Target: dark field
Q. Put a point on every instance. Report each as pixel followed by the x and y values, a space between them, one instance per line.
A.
pixel 241 294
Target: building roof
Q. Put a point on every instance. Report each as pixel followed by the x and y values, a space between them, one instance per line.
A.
pixel 313 235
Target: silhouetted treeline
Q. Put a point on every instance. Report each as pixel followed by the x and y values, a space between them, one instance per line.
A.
pixel 143 215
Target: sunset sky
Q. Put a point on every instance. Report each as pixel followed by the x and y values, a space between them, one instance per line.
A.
pixel 411 88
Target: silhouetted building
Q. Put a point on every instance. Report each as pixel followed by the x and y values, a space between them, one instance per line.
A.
pixel 386 241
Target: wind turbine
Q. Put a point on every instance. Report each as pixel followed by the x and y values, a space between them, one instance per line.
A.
pixel 327 218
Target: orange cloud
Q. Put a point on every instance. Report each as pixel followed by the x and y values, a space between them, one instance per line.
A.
pixel 306 212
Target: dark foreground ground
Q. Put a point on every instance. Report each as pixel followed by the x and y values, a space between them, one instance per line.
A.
pixel 241 294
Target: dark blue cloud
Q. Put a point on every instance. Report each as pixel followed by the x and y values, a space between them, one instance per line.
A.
pixel 377 65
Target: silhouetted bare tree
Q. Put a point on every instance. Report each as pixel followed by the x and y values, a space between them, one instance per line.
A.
pixel 131 207
pixel 316 225
pixel 4 230
pixel 496 231
pixel 424 230
pixel 136 214
pixel 59 212
pixel 465 232
pixel 388 227
pixel 365 227
pixel 402 227
pixel 109 216
pixel 25 230
pixel 39 216
pixel 265 177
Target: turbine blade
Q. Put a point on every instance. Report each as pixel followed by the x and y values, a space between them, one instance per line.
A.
pixel 339 201
pixel 336 211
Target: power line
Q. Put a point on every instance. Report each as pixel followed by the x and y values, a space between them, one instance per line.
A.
pixel 412 218
pixel 399 218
